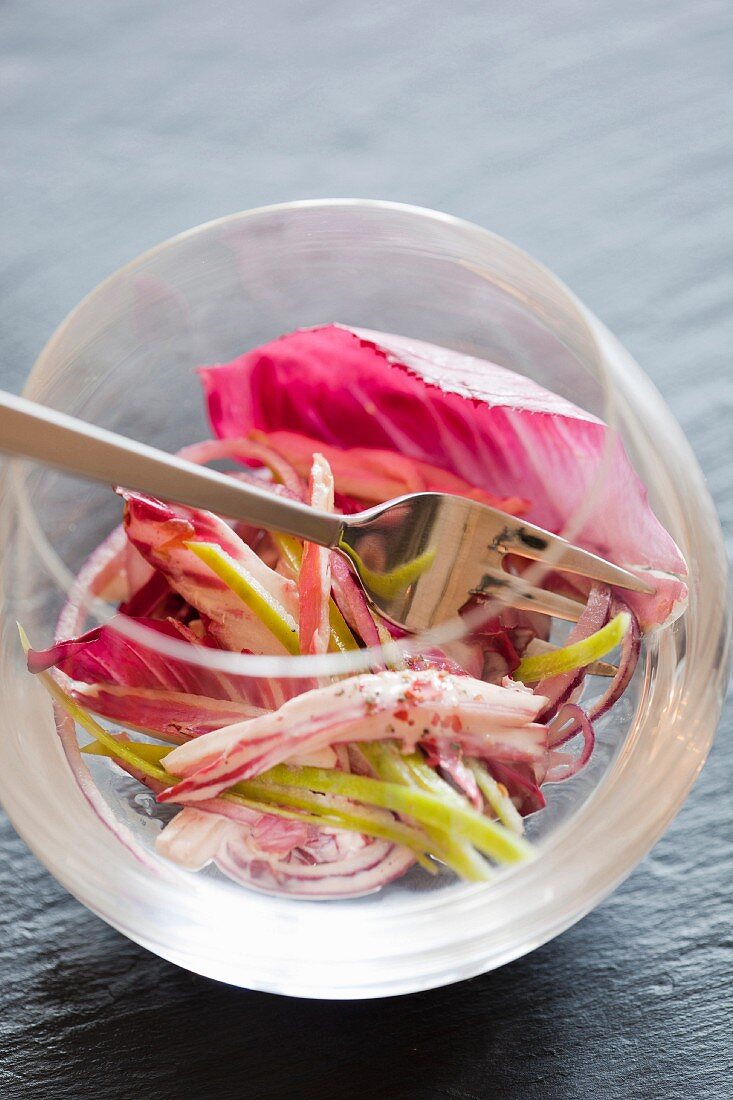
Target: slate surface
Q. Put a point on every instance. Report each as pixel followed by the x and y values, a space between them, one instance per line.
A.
pixel 597 136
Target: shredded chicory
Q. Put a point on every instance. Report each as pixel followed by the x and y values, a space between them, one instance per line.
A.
pixel 333 788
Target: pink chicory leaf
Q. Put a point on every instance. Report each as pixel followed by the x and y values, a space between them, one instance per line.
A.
pixel 373 476
pixel 161 531
pixel 444 754
pixel 497 430
pixel 484 719
pixel 520 783
pixel 314 580
pixel 248 451
pixel 149 597
pixel 171 715
pixel 352 603
pixel 108 655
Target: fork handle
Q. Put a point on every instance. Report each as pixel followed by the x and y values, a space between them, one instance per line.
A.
pixel 30 430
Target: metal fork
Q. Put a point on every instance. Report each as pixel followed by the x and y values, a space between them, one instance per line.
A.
pixel 420 558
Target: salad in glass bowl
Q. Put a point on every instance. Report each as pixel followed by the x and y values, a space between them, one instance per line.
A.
pixel 558 432
pixel 331 787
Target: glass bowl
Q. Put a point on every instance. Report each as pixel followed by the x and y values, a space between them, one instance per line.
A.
pixel 124 359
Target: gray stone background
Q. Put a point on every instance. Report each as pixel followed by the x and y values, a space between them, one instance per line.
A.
pixel 597 135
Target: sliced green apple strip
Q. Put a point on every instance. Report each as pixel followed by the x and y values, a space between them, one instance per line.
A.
pixel 299 795
pixel 430 781
pixel 497 798
pixel 270 611
pixel 394 582
pixel 389 764
pixel 427 778
pixel 342 640
pixel 335 814
pixel 489 837
pixel 144 753
pixel 539 647
pixel 287 802
pixel 533 669
pixel 291 549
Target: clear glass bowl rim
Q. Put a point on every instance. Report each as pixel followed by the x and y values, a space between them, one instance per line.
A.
pixel 581 862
